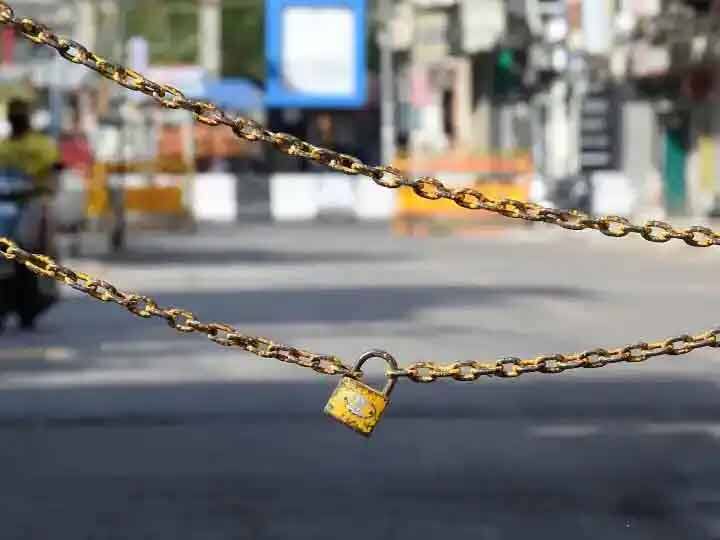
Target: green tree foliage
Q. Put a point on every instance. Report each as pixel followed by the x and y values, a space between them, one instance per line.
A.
pixel 243 39
pixel 171 28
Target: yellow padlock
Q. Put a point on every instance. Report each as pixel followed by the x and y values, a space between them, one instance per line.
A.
pixel 358 405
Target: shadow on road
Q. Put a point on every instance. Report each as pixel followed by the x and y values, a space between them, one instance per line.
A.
pixel 95 322
pixel 232 245
pixel 332 305
pixel 147 255
pixel 82 325
pixel 497 459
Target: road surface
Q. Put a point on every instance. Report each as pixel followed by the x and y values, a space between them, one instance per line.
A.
pixel 113 427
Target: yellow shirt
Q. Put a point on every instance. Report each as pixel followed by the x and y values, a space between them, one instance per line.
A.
pixel 33 154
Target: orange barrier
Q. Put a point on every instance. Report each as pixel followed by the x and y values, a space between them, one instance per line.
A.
pixel 410 205
pixel 497 177
pixel 458 162
pixel 152 199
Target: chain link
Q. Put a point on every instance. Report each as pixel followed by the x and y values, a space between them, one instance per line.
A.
pixel 186 322
pixel 426 187
pixel 427 372
pixel 178 319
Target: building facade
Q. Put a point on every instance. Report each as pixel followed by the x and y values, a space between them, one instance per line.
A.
pixel 674 65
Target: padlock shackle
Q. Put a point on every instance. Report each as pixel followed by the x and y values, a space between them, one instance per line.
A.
pixel 389 360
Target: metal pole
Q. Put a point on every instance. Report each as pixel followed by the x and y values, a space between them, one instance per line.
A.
pixel 210 37
pixel 387 84
pixel 56 99
pixel 118 235
pixel 86 26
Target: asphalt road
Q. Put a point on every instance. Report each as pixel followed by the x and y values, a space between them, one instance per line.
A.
pixel 114 427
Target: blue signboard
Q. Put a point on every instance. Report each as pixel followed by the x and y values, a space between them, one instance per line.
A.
pixel 315 52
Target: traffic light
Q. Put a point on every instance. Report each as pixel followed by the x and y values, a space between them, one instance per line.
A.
pixel 508 72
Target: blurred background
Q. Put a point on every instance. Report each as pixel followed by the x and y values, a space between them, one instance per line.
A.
pixel 114 427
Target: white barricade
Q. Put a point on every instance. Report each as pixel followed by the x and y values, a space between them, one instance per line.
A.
pixel 613 194
pixel 214 197
pixel 307 196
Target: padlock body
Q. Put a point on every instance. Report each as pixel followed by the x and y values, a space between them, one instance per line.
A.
pixel 357 405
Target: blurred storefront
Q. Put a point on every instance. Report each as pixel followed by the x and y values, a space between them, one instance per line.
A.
pixel 499 94
pixel 674 65
pixel 174 170
pixel 462 104
pixel 63 97
pixel 329 96
pixel 130 161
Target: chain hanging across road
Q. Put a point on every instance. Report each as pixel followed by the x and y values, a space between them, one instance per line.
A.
pixel 423 372
pixel 356 401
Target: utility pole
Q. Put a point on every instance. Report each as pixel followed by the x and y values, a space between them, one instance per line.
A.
pixel 87 23
pixel 210 37
pixel 387 83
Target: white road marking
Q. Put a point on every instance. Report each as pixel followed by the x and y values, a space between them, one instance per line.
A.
pixel 564 431
pixel 47 354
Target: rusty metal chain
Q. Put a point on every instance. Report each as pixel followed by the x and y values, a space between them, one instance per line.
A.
pixel 510 367
pixel 422 372
pixel 225 335
pixel 388 177
pixel 426 187
pixel 178 319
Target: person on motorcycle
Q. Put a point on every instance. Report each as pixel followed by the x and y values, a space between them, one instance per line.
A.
pixel 29 161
